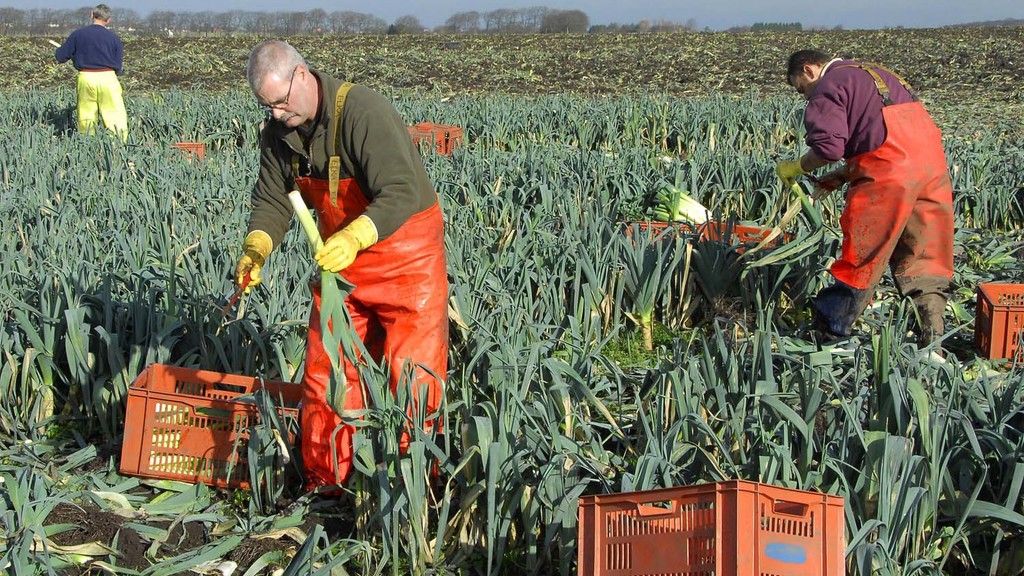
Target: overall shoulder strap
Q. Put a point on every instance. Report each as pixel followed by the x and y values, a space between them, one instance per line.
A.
pixel 334 129
pixel 898 78
pixel 880 85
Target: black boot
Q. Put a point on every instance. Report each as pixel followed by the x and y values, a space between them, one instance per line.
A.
pixel 836 308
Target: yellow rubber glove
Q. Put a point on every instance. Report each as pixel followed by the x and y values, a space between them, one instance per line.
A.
pixel 255 249
pixel 341 248
pixel 789 170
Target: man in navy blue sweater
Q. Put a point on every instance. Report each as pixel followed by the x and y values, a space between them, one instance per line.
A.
pixel 98 55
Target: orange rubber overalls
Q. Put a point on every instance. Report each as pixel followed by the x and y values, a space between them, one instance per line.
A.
pixel 899 212
pixel 399 309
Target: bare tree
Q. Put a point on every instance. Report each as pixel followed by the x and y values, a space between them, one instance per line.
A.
pixel 159 20
pixel 345 22
pixel 348 22
pixel 317 21
pixel 294 22
pixel 11 20
pixel 128 18
pixel 369 24
pixel 532 18
pixel 230 21
pixel 503 20
pixel 463 22
pixel 500 20
pixel 407 24
pixel 205 21
pixel 565 21
pixel 264 23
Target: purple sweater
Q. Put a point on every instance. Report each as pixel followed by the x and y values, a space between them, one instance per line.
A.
pixel 93 47
pixel 844 113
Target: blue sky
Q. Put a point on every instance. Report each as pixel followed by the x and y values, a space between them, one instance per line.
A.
pixel 715 15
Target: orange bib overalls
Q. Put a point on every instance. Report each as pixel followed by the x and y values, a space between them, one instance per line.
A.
pixel 399 309
pixel 899 212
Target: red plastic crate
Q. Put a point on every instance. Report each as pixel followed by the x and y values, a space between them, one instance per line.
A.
pixel 715 230
pixel 733 528
pixel 195 150
pixel 656 227
pixel 999 320
pixel 444 138
pixel 740 234
pixel 185 424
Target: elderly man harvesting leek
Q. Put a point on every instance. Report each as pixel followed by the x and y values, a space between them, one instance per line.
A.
pixel 347 150
pixel 899 204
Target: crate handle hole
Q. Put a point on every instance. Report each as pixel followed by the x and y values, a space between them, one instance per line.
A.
pixel 789 508
pixel 230 388
pixel 655 508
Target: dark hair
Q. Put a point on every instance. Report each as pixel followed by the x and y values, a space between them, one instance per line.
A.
pixel 801 58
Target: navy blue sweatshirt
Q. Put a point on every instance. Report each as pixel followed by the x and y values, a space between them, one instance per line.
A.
pixel 93 47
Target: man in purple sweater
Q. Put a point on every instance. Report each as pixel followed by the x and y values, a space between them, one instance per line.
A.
pixel 899 204
pixel 98 55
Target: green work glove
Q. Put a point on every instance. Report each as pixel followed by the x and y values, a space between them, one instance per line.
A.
pixel 789 171
pixel 341 248
pixel 255 249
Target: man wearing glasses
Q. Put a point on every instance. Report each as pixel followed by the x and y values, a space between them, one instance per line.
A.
pixel 899 204
pixel 347 149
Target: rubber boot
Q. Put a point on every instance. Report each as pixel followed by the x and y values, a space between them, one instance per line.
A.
pixel 837 307
pixel 930 323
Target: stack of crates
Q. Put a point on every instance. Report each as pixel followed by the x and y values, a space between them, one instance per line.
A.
pixel 999 320
pixel 732 528
pixel 442 138
pixel 189 425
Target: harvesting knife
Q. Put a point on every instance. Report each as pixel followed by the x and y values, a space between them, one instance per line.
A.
pixel 233 298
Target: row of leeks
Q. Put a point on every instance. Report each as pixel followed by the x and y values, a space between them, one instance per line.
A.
pixel 118 255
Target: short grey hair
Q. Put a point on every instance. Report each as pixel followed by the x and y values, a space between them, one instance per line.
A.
pixel 101 12
pixel 271 57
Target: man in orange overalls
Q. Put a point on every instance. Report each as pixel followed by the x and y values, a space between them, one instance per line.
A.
pixel 899 204
pixel 346 148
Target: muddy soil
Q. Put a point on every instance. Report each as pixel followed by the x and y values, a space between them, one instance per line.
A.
pixel 96 525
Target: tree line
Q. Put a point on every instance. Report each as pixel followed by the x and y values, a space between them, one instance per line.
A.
pixel 537 19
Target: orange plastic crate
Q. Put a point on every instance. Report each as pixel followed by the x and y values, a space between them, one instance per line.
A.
pixel 999 320
pixel 739 233
pixel 195 150
pixel 715 230
pixel 656 227
pixel 185 424
pixel 733 528
pixel 445 138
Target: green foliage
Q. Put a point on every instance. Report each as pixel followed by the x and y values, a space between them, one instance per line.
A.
pixel 119 256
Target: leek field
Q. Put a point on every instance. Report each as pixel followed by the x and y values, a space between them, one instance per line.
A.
pixel 117 256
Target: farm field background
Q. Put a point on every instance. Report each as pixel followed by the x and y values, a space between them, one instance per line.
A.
pixel 117 256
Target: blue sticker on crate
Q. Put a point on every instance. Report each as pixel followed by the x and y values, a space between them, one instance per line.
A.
pixel 788 553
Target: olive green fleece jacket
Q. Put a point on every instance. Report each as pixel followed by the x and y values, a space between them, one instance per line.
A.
pixel 376 150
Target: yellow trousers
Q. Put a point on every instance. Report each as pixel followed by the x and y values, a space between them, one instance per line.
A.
pixel 99 94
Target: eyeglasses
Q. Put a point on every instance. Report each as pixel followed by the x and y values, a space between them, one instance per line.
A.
pixel 268 109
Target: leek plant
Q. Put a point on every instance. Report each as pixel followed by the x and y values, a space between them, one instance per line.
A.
pixel 116 256
pixel 650 258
